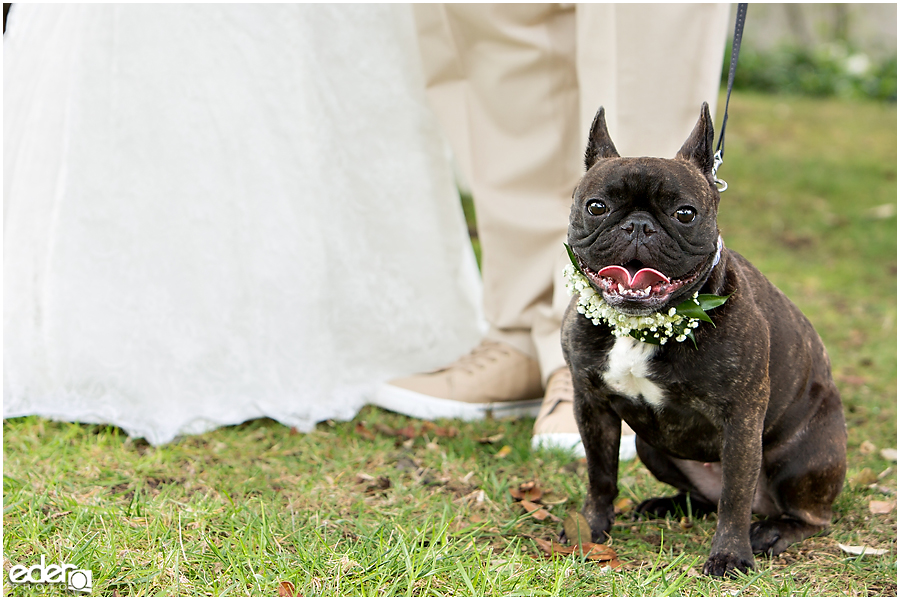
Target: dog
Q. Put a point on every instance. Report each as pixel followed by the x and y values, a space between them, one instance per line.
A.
pixel 740 414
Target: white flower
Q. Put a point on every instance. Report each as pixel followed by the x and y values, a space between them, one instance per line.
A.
pixel 592 306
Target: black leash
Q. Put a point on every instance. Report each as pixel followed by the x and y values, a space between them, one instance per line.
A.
pixel 719 157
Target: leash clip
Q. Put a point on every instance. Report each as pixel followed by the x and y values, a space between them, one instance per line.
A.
pixel 721 184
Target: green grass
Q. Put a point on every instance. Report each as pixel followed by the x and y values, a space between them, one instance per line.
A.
pixel 351 509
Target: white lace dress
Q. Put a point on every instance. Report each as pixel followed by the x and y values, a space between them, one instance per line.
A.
pixel 214 213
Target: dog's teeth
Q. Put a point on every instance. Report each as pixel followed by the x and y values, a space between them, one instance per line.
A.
pixel 621 289
pixel 647 291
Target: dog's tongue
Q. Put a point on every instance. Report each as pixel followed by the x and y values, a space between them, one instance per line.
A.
pixel 642 279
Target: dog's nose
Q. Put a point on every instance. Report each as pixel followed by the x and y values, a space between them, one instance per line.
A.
pixel 637 225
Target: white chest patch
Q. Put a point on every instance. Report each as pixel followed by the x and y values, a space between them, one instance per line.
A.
pixel 628 368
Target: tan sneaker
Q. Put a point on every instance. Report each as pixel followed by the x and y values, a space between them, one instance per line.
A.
pixel 494 379
pixel 555 426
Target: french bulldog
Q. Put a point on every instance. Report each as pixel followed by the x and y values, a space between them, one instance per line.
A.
pixel 741 414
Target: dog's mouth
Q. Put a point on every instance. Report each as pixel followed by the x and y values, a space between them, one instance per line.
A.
pixel 636 285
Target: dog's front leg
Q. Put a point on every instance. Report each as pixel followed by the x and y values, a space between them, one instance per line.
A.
pixel 601 430
pixel 741 462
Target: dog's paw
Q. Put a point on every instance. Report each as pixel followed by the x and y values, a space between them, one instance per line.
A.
pixel 768 537
pixel 722 564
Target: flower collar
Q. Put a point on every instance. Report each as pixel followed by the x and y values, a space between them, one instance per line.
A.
pixel 656 328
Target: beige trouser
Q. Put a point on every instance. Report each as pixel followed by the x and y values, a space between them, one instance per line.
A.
pixel 516 86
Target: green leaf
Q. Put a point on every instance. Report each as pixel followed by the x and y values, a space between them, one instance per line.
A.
pixel 690 335
pixel 643 335
pixel 573 259
pixel 710 301
pixel 692 310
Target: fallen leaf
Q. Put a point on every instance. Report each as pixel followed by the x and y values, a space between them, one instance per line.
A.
pixel 867 447
pixel 858 550
pixel 882 507
pixel 865 477
pixel 539 512
pixel 590 551
pixel 685 523
pixel 503 452
pixel 447 432
pixel 885 473
pixel 547 547
pixel 889 454
pixel 409 432
pixel 551 499
pixel 491 439
pixel 527 491
pixel 577 529
pixel 286 589
pixel 623 505
pixel 363 432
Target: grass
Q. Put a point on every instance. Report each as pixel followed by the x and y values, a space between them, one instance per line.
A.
pixel 387 505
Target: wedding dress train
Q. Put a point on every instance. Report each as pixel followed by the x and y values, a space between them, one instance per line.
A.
pixel 214 213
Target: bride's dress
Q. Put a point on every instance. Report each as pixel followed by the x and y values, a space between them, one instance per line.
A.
pixel 214 213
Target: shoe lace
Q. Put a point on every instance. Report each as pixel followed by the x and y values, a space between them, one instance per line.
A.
pixel 483 354
pixel 559 387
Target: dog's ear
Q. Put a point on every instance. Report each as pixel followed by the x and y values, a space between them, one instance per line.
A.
pixel 600 145
pixel 698 149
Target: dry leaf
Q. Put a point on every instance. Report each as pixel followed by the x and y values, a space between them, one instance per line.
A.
pixel 623 505
pixel 546 547
pixel 865 477
pixel 408 432
pixel 857 550
pixel 446 432
pixel 363 432
pixel 286 589
pixel 551 499
pixel 577 529
pixel 590 551
pixel 685 523
pixel 539 512
pixel 867 447
pixel 882 507
pixel 889 454
pixel 491 439
pixel 527 491
pixel 598 552
pixel 503 452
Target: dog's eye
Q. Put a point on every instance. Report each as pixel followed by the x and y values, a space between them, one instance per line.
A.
pixel 685 214
pixel 596 208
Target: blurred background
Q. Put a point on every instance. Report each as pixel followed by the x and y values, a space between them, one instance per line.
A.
pixel 848 50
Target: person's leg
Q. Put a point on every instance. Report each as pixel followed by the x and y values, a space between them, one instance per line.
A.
pixel 515 88
pixel 502 80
